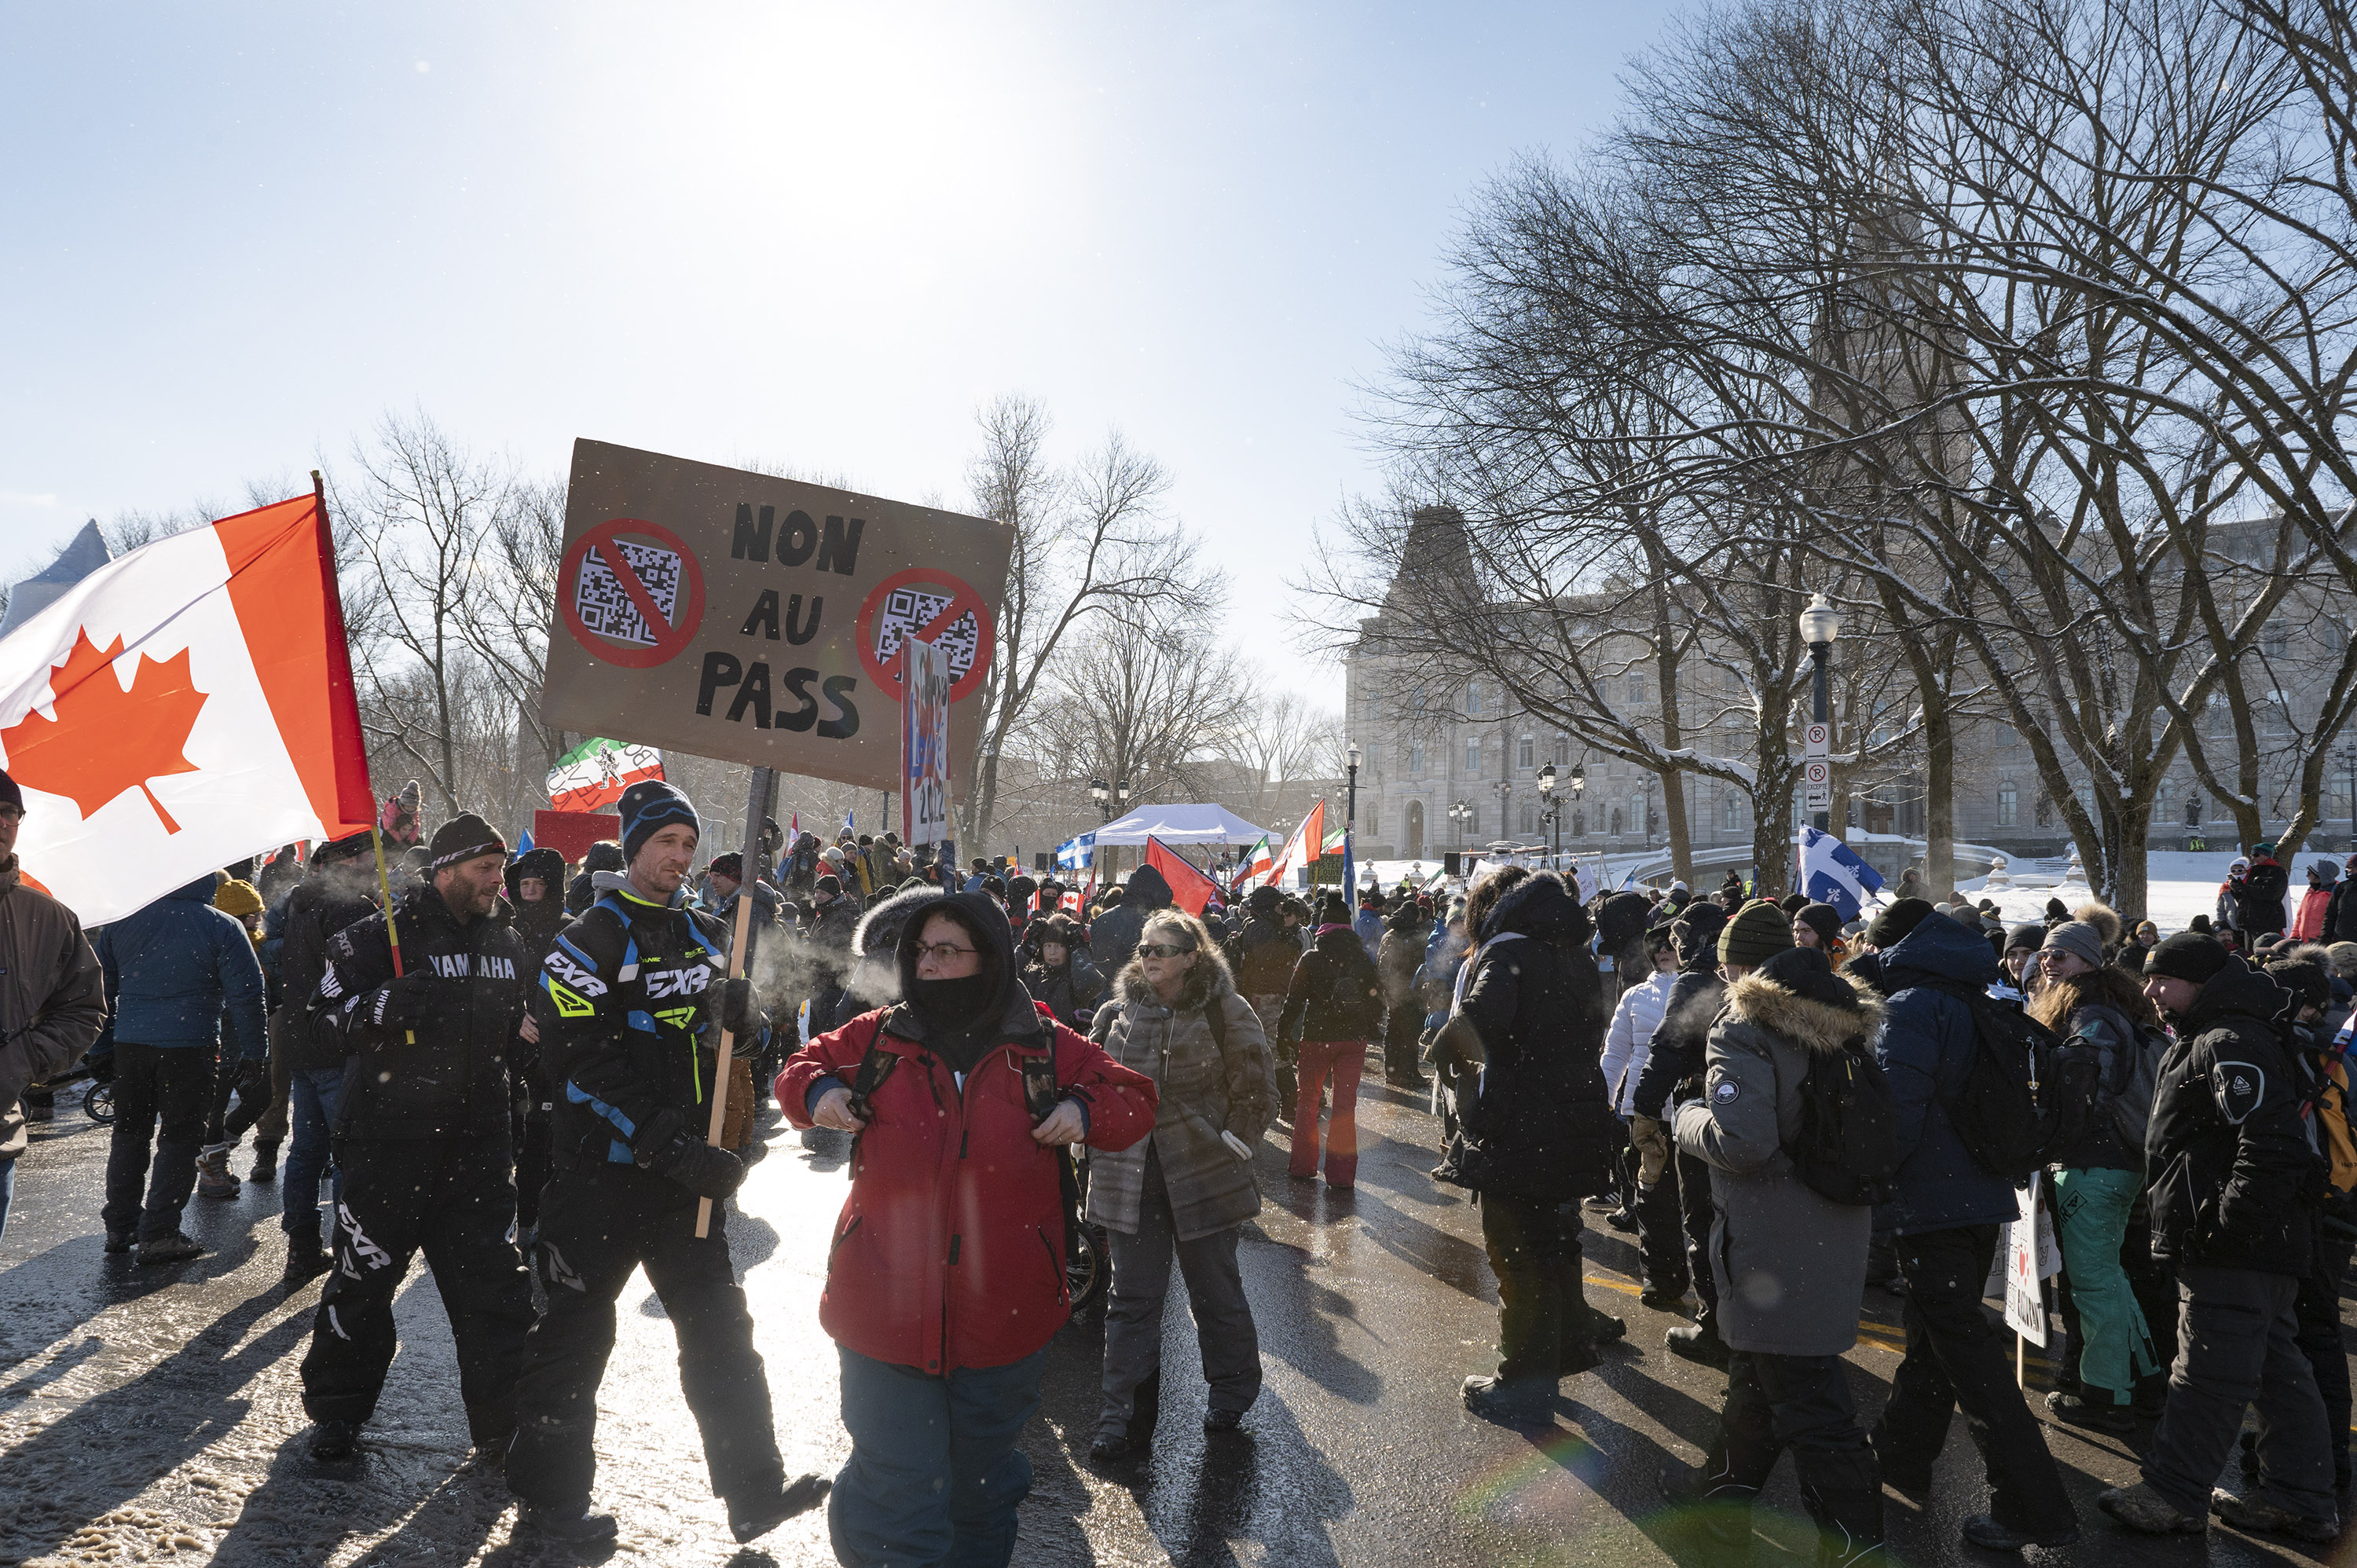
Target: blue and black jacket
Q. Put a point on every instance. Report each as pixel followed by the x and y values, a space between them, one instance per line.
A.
pixel 628 1002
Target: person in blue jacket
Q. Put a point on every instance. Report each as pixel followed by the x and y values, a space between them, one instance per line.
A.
pixel 175 972
pixel 1945 1216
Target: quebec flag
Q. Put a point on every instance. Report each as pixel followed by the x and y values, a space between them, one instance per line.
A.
pixel 1076 854
pixel 1831 873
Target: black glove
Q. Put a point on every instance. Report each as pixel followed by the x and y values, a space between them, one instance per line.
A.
pixel 671 1149
pixel 253 1081
pixel 102 1068
pixel 398 1003
pixel 737 1014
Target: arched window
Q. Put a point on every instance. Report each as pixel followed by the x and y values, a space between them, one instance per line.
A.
pixel 1616 821
pixel 2008 806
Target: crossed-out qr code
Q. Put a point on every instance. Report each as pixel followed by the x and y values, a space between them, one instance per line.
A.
pixel 606 608
pixel 910 610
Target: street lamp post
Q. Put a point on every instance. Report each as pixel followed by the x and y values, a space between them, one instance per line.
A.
pixel 1458 811
pixel 1548 812
pixel 1820 625
pixel 1506 787
pixel 1351 758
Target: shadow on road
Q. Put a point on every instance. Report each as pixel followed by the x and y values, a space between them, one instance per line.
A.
pixel 113 1447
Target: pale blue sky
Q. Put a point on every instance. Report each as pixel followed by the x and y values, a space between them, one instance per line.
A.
pixel 814 234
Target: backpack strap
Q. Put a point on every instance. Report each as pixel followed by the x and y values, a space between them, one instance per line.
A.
pixel 875 1066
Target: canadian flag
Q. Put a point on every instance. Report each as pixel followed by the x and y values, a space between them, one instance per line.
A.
pixel 183 705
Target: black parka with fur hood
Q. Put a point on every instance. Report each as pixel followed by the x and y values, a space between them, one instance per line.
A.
pixel 1540 1126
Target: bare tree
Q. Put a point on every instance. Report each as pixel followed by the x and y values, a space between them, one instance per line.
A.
pixel 420 513
pixel 1088 539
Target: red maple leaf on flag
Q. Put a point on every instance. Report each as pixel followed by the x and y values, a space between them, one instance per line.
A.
pixel 105 740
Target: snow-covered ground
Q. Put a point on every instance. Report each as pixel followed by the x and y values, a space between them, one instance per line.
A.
pixel 2180 887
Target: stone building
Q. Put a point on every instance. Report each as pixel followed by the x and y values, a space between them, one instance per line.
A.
pixel 1452 763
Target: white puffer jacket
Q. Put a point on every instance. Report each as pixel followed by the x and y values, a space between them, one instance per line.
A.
pixel 1631 1040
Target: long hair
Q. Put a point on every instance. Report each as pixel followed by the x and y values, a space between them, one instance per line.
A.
pixel 1485 895
pixel 2053 1003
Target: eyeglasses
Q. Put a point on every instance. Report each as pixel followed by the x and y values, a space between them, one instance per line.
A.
pixel 1160 949
pixel 939 953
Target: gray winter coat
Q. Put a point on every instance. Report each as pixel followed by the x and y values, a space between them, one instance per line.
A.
pixel 1203 1093
pixel 1790 1265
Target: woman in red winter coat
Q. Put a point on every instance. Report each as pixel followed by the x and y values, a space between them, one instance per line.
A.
pixel 946 1279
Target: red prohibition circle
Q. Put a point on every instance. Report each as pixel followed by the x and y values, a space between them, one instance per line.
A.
pixel 962 599
pixel 669 640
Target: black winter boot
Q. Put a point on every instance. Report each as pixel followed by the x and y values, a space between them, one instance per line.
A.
pixel 1849 1525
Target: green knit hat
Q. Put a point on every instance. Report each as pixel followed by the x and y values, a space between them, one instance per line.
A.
pixel 1760 930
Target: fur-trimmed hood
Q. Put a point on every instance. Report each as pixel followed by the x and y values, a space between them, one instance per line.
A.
pixel 1209 978
pixel 879 930
pixel 1814 1025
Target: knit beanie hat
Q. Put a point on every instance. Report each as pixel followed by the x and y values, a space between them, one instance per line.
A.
pixel 1890 927
pixel 463 837
pixel 351 846
pixel 830 886
pixel 2188 955
pixel 730 865
pixel 2078 939
pixel 2029 934
pixel 236 897
pixel 648 807
pixel 1760 930
pixel 1824 919
pixel 9 794
pixel 1794 903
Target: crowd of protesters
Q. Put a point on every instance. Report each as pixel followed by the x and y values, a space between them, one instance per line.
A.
pixel 515 1074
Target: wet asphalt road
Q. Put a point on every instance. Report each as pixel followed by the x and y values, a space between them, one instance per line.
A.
pixel 154 1414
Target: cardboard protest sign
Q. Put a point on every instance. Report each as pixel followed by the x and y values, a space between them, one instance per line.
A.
pixel 756 620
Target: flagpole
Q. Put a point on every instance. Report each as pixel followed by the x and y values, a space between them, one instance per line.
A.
pixel 384 888
pixel 719 1118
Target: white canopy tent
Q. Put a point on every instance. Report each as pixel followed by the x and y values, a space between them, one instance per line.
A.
pixel 1174 825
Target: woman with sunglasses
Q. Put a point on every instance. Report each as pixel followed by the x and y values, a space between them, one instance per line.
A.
pixel 945 1280
pixel 1185 1191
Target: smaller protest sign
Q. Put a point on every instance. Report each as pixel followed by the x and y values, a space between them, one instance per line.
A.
pixel 925 684
pixel 2025 1293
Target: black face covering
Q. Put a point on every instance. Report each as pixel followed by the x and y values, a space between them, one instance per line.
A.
pixel 961 1017
pixel 957 1015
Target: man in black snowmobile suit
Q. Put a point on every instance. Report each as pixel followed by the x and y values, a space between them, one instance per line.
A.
pixel 631 1001
pixel 421 1136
